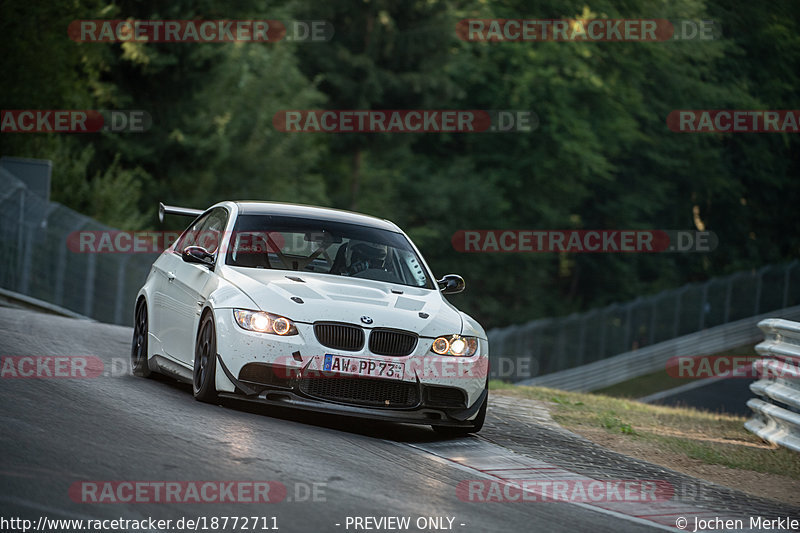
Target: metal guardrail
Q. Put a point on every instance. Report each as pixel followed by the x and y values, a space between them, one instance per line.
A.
pixel 552 345
pixel 629 365
pixel 776 411
pixel 15 299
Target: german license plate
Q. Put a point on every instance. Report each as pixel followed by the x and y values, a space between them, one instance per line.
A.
pixel 363 367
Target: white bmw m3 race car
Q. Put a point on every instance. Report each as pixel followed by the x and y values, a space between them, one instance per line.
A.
pixel 311 308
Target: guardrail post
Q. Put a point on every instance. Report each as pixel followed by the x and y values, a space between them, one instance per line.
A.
pixel 703 305
pixel 88 294
pixel 536 351
pixel 728 291
pixel 759 283
pixel 581 339
pixel 603 327
pixel 786 281
pixel 559 346
pixel 677 316
pixel 27 260
pixel 653 322
pixel 121 271
pixel 61 266
pixel 20 235
pixel 497 347
pixel 628 342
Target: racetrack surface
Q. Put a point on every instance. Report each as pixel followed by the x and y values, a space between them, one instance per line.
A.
pixel 718 396
pixel 116 427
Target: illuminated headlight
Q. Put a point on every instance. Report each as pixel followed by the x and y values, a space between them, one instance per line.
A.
pixel 264 322
pixel 455 345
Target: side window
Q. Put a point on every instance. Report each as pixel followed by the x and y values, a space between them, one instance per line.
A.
pixel 212 230
pixel 207 232
pixel 188 236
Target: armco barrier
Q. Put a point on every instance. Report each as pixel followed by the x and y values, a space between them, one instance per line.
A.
pixel 629 365
pixel 552 345
pixel 776 411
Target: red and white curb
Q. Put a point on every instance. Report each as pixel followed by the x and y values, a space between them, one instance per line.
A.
pixel 489 461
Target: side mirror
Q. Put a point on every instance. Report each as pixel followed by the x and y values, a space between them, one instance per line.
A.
pixel 451 284
pixel 197 254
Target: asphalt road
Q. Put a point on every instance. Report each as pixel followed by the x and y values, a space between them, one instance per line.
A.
pixel 116 427
pixel 719 396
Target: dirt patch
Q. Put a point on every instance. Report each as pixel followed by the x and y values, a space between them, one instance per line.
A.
pixel 768 485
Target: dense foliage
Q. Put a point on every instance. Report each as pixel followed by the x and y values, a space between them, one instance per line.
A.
pixel 602 156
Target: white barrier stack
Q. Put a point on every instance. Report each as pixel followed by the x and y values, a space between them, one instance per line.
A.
pixel 776 411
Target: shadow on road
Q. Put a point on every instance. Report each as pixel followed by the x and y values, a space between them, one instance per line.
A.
pixel 409 433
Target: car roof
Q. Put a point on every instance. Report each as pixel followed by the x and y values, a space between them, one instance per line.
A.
pixel 251 207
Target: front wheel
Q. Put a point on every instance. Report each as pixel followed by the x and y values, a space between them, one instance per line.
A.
pixel 205 362
pixel 139 344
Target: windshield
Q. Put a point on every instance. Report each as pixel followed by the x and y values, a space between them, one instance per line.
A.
pixel 325 247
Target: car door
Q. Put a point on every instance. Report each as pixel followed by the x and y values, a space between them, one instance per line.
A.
pixel 189 284
pixel 165 304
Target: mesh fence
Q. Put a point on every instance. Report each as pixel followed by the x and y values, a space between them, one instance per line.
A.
pixel 36 261
pixel 543 346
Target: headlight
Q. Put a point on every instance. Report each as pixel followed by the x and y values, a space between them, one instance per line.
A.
pixel 455 345
pixel 264 322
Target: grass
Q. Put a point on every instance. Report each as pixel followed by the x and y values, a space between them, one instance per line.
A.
pixel 713 438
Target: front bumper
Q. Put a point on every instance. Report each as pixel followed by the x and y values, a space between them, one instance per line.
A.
pixel 286 371
pixel 292 397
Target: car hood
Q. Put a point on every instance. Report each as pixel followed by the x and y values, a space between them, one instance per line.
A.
pixel 344 299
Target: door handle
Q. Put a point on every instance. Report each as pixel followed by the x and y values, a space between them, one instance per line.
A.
pixel 170 276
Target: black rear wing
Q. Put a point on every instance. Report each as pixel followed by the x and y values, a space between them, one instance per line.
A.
pixel 172 210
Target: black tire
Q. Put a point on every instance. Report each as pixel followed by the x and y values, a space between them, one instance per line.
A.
pixel 139 365
pixel 475 426
pixel 204 385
